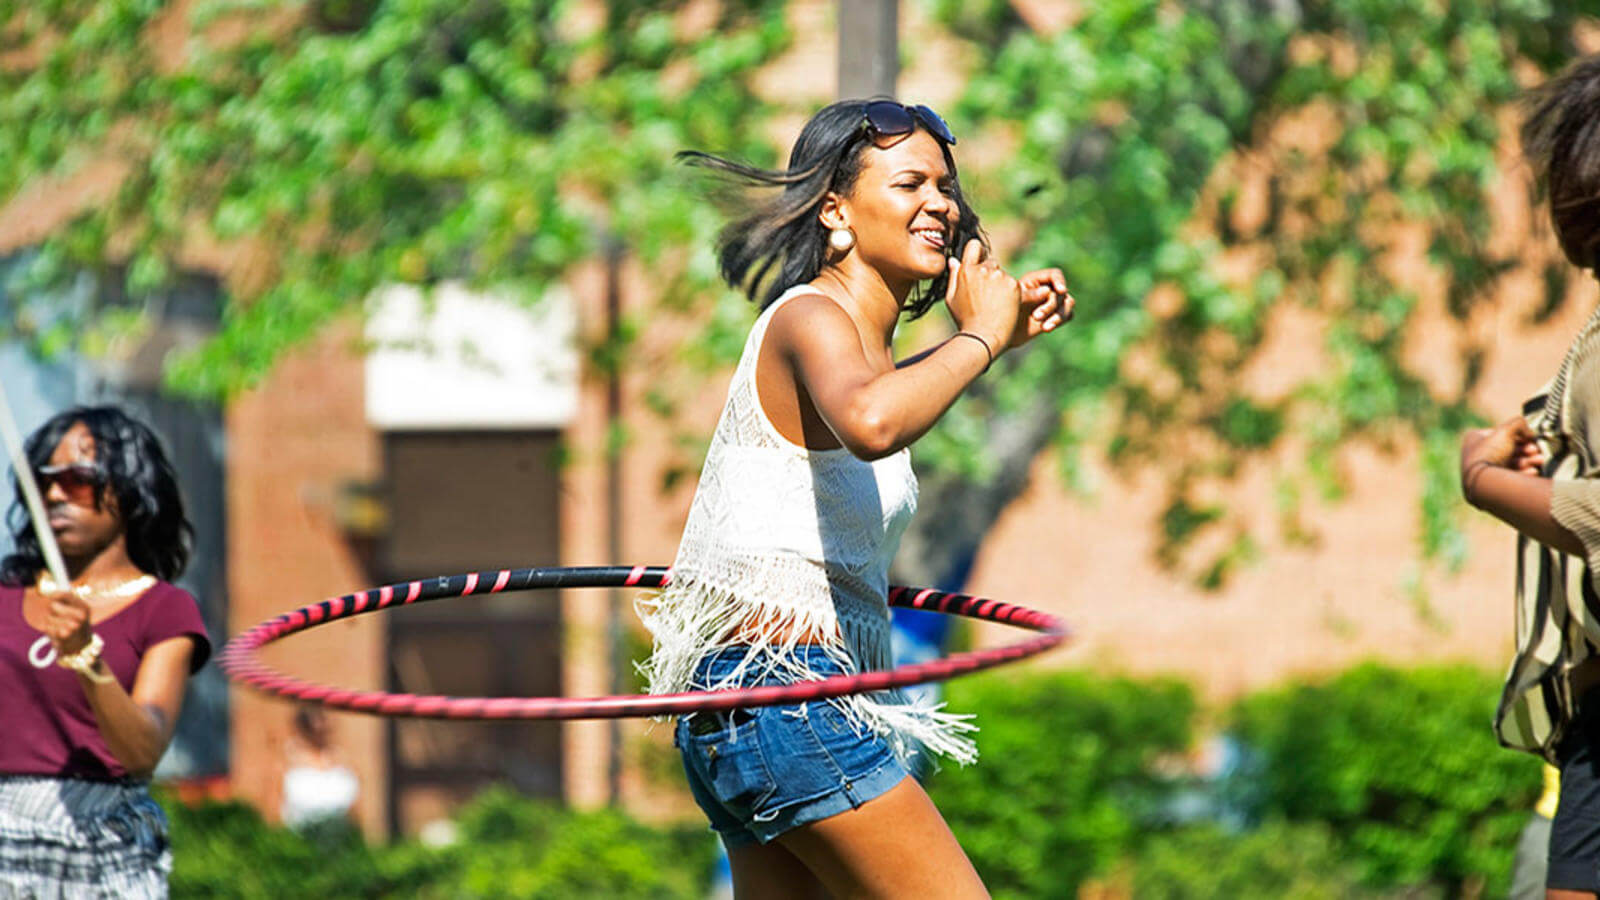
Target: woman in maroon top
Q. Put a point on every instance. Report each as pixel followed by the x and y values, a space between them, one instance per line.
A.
pixel 93 671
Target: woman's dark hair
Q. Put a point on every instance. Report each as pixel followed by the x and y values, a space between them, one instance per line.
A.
pixel 781 243
pixel 138 475
pixel 1561 139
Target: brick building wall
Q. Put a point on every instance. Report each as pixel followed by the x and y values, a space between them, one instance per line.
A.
pixel 294 444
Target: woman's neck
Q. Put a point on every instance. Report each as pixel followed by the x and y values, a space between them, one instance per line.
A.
pixel 871 300
pixel 110 564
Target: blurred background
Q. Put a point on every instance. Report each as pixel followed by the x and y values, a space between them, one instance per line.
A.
pixel 414 287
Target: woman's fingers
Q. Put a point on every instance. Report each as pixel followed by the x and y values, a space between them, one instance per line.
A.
pixel 65 611
pixel 950 283
pixel 1045 290
pixel 1529 458
pixel 1518 426
pixel 972 254
pixel 68 615
pixel 1054 312
pixel 1052 280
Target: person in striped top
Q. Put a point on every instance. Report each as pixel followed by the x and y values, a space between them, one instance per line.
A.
pixel 1537 472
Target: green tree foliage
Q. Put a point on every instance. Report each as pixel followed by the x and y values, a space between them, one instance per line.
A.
pixel 351 143
pixel 1403 768
pixel 507 847
pixel 1132 132
pixel 356 142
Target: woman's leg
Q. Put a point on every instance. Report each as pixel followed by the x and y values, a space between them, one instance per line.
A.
pixel 768 870
pixel 895 845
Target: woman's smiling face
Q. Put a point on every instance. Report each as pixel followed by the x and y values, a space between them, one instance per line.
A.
pixel 902 207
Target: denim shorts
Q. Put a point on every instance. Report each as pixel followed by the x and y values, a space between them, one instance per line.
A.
pixel 760 772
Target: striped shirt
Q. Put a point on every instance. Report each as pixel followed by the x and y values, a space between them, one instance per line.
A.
pixel 1558 608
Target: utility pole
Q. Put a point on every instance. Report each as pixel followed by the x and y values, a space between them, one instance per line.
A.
pixel 612 251
pixel 869 47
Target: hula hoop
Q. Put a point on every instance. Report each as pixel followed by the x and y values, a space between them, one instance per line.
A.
pixel 240 660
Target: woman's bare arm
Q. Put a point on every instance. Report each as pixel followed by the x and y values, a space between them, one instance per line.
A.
pixel 873 411
pixel 1523 502
pixel 1499 469
pixel 138 727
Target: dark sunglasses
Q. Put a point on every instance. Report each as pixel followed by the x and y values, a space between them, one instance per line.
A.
pixel 80 482
pixel 886 117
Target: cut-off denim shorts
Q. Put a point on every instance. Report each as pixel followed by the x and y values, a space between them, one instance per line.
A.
pixel 760 772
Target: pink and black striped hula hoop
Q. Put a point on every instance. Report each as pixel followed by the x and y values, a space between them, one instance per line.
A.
pixel 240 660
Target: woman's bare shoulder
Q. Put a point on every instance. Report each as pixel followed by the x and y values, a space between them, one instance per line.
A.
pixel 810 317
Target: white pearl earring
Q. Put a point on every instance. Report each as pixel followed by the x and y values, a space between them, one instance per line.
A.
pixel 841 240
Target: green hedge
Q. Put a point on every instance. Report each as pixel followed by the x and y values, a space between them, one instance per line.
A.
pixel 1377 783
pixel 1381 778
pixel 1065 770
pixel 1404 769
pixel 1279 860
pixel 509 847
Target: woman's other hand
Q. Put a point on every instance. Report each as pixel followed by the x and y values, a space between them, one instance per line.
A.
pixel 1046 305
pixel 982 298
pixel 1495 467
pixel 1504 446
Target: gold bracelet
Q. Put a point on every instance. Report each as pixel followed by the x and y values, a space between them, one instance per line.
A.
pixel 83 661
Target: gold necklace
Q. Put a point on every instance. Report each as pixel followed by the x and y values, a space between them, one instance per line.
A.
pixel 130 588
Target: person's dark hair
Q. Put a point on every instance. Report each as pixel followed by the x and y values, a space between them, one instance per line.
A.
pixel 1561 139
pixel 311 725
pixel 138 475
pixel 781 243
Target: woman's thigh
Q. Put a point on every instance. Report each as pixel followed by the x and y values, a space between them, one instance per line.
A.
pixel 768 870
pixel 895 845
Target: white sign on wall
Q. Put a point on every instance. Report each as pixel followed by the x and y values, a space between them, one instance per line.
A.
pixel 454 358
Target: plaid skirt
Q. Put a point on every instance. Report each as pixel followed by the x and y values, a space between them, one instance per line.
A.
pixel 70 838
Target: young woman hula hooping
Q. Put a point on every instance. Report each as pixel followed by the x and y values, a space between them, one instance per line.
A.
pixel 782 572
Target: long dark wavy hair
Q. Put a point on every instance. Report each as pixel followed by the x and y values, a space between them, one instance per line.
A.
pixel 1561 140
pixel 139 476
pixel 780 242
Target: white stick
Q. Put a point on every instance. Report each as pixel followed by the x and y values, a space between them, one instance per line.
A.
pixel 30 494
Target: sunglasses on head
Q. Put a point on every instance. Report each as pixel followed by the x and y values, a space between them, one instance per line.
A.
pixel 80 482
pixel 886 117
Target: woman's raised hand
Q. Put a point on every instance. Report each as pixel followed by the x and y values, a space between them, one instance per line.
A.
pixel 982 298
pixel 67 622
pixel 1048 305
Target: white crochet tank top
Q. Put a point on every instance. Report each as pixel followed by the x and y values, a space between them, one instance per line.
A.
pixel 783 541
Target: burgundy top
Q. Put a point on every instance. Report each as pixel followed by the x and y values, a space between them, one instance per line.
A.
pixel 49 727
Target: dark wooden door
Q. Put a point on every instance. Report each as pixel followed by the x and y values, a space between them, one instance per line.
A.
pixel 462 501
